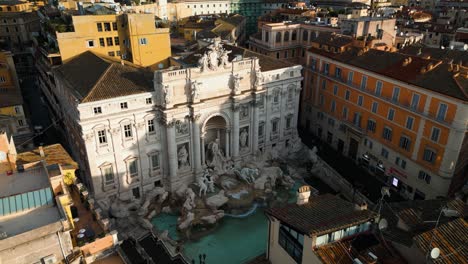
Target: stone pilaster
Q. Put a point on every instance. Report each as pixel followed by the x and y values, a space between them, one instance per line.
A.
pixel 235 131
pixel 171 153
pixel 196 146
pixel 255 126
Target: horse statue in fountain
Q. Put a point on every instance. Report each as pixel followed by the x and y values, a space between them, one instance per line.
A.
pixel 247 174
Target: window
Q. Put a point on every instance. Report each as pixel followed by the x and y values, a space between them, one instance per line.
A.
pixel 324 84
pixel 17 110
pixel 350 77
pixel 261 129
pixel 149 100
pixel 143 41
pixel 441 112
pixel 274 126
pixel 364 82
pixel 320 115
pixel 435 134
pixel 109 42
pixel 278 37
pixel 387 133
pixel 371 125
pixel 403 164
pixel 429 155
pixel 391 114
pixel 108 175
pixel 136 192
pixel 415 101
pixel 111 53
pixel 107 26
pixel 335 89
pixel 116 41
pixel 292 242
pixel 133 168
pixel 326 69
pixel 277 55
pixel 118 53
pixel 2 79
pixel 151 129
pixel 347 94
pixel 424 176
pixel 409 122
pixel 97 110
pixel 384 153
pixel 20 122
pixel 124 105
pixel 395 94
pixel 333 106
pixel 286 36
pixel 338 72
pixel 357 119
pixel 288 122
pixel 378 88
pixel 331 122
pixel 375 107
pixel 321 99
pixel 359 101
pixel 313 64
pixel 128 131
pixel 114 26
pixel 286 54
pixel 345 113
pixel 155 161
pixel 405 143
pixel 90 43
pixel 99 27
pixel 101 42
pixel 102 137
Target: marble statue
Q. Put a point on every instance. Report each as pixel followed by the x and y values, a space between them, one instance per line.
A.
pixel 195 89
pixel 236 82
pixel 243 138
pixel 203 62
pixel 313 155
pixel 258 78
pixel 217 157
pixel 181 128
pixel 182 155
pixel 202 185
pixel 213 57
pixel 208 180
pixel 225 57
pixel 189 203
pixel 166 94
pixel 247 174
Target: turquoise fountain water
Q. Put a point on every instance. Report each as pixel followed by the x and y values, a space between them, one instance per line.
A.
pixel 238 238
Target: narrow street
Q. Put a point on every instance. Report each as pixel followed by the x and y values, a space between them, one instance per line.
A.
pixel 369 185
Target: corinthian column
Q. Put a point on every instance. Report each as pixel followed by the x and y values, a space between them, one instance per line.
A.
pixel 196 145
pixel 235 131
pixel 171 152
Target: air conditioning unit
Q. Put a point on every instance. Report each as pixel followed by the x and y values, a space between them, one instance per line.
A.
pixel 51 259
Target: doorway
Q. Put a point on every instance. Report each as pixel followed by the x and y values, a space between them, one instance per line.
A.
pixel 353 148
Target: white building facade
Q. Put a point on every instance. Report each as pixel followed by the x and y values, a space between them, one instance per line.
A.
pixel 161 138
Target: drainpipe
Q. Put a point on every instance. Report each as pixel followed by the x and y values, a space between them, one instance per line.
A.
pixel 61 247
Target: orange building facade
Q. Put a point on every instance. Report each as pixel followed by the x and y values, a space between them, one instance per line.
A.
pixel 403 117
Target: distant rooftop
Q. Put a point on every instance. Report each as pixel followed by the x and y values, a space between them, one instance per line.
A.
pixel 322 214
pixel 29 180
pixel 54 154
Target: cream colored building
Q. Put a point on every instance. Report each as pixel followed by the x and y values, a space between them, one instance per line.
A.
pixel 131 132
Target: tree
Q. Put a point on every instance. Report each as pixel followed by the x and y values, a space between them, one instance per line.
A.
pixel 69 178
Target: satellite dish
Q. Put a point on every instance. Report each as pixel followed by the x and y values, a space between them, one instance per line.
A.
pixel 383 223
pixel 435 253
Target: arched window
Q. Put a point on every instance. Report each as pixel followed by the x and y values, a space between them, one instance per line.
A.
pixel 294 35
pixel 267 36
pixel 286 36
pixel 305 35
pixel 278 37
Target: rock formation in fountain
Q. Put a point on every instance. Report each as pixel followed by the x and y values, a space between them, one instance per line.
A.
pixel 268 174
pixel 150 196
pixel 186 222
pixel 217 200
pixel 247 174
pixel 213 218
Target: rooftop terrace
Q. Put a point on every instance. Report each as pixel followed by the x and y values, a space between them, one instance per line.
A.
pixel 29 220
pixel 29 180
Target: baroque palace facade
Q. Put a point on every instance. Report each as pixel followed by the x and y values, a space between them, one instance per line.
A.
pixel 132 131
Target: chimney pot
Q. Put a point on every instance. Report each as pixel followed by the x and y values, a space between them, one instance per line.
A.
pixel 303 195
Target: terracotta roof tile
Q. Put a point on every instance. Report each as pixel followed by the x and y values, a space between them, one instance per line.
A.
pixel 321 214
pixel 54 154
pixel 95 78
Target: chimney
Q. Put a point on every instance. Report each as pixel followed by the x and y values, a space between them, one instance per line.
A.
pixel 41 152
pixel 303 195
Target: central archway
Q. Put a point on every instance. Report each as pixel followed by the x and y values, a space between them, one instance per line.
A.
pixel 215 140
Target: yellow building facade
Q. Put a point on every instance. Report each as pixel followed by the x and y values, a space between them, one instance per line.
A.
pixel 132 37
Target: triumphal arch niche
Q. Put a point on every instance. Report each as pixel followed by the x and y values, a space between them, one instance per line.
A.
pixel 229 106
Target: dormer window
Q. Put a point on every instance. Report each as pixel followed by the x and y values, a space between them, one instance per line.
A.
pixel 124 105
pixel 97 110
pixel 149 100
